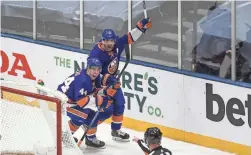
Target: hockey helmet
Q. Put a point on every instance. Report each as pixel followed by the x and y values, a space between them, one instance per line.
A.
pixel 108 34
pixel 153 135
pixel 94 62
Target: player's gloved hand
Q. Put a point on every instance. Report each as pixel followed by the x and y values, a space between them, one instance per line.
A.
pixel 110 91
pixel 98 91
pixel 105 91
pixel 110 80
pixel 144 24
pixel 103 103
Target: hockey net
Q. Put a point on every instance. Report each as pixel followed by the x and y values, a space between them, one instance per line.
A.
pixel 32 123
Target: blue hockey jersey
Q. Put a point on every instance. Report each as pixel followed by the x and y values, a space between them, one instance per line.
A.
pixel 79 85
pixel 110 60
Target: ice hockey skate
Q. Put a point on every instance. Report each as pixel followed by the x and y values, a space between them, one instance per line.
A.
pixel 94 143
pixel 119 135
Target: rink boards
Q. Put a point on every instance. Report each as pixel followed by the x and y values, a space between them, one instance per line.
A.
pixel 203 111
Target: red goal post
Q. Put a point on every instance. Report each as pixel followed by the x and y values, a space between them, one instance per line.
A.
pixel 26 114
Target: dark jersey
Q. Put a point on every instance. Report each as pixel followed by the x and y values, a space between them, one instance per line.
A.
pixel 156 151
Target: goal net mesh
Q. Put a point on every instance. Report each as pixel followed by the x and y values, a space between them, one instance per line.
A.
pixel 33 124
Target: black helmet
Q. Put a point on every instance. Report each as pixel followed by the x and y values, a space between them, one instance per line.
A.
pixel 153 135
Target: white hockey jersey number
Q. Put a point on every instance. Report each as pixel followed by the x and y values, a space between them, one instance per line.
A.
pixel 67 83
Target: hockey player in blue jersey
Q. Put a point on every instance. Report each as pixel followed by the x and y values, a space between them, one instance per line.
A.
pixel 80 88
pixel 108 51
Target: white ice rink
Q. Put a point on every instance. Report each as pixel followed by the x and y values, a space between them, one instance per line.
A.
pixel 131 148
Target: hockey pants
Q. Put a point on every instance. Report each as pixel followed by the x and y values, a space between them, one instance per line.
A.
pixel 116 110
pixel 80 116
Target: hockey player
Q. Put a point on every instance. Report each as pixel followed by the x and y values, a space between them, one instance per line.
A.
pixel 152 142
pixel 108 51
pixel 80 88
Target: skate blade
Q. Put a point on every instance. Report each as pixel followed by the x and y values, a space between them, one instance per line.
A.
pixel 120 139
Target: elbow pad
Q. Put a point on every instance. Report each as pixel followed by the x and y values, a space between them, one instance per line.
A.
pixel 135 34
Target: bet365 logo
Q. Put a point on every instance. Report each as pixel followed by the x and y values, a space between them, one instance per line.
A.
pixel 234 109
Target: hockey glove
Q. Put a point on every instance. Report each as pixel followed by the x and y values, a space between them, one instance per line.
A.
pixel 144 24
pixel 103 103
pixel 98 91
pixel 110 80
pixel 105 91
pixel 110 91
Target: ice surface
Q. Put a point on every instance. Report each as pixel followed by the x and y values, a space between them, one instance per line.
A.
pixel 131 148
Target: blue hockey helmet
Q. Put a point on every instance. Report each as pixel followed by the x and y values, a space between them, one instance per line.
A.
pixel 94 62
pixel 108 34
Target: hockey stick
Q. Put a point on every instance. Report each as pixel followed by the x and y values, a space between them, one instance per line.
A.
pixel 127 52
pixel 144 7
pixel 86 130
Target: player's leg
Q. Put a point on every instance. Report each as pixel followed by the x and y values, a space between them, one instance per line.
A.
pixel 91 139
pixel 116 110
pixel 106 114
pixel 117 117
pixel 76 118
pixel 80 116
